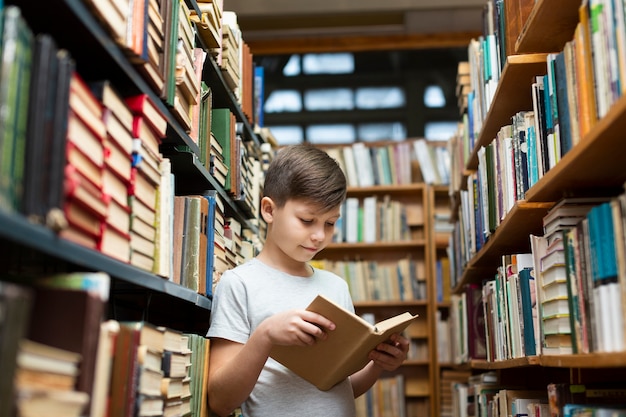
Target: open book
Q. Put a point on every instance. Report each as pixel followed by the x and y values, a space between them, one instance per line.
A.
pixel 344 351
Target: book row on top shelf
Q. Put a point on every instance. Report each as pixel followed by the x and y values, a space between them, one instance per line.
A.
pixel 102 161
pixel 538 194
pixel 129 165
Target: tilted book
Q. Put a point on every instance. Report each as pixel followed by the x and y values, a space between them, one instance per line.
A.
pixel 346 348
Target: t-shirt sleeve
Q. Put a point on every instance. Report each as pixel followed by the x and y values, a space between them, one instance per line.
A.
pixel 229 310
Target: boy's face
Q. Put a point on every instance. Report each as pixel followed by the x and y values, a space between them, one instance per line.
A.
pixel 301 230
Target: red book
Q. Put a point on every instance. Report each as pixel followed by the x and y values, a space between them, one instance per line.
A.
pixel 142 105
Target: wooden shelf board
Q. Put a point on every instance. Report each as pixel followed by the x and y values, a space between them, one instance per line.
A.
pixel 550 25
pixel 588 360
pixel 593 165
pixel 505 364
pixel 398 244
pixel 512 95
pixel 387 189
pixel 511 236
pixel 389 304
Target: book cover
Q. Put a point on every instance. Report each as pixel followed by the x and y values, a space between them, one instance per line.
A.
pixel 211 197
pixel 15 303
pixel 143 105
pixel 16 50
pixel 346 348
pixel 38 132
pixel 53 310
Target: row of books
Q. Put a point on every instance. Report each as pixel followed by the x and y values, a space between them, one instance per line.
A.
pixel 98 178
pixel 482 395
pixel 375 219
pixel 97 366
pixel 158 37
pixel 404 280
pixel 398 163
pixel 580 84
pixel 565 296
pixel 385 398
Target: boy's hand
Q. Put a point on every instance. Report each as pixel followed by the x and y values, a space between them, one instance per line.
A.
pixel 297 327
pixel 390 354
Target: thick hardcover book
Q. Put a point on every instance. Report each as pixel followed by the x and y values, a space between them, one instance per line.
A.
pixel 346 348
pixel 15 304
pixel 38 133
pixel 69 319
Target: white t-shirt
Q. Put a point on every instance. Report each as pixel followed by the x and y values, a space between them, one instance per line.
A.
pixel 250 293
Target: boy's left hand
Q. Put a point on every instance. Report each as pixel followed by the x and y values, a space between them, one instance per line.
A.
pixel 390 354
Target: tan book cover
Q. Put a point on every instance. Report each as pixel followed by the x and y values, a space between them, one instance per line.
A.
pixel 346 348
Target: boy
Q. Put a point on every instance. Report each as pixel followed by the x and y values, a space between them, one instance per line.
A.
pixel 261 303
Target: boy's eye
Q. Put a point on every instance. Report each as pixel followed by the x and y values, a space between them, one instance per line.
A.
pixel 306 221
pixel 330 224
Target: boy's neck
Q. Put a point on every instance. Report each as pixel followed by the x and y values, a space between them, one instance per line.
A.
pixel 299 269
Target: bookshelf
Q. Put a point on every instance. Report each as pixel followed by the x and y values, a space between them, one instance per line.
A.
pixel 31 249
pixel 581 172
pixel 420 245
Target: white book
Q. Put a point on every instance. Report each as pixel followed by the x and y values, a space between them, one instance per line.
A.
pixel 425 160
pixel 363 162
pixel 352 220
pixel 351 173
pixel 370 219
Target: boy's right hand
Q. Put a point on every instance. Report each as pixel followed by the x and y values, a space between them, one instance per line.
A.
pixel 296 328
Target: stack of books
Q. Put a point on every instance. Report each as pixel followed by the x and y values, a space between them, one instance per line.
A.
pixel 209 24
pixel 175 385
pixel 149 127
pixel 117 170
pixel 85 206
pixel 45 379
pixel 231 44
pixel 187 89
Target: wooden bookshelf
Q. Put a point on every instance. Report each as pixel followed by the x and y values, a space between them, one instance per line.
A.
pixel 512 94
pixel 31 249
pixel 419 374
pixel 593 166
pixel 511 236
pixel 545 30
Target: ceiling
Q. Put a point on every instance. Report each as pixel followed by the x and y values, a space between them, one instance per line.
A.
pixel 289 26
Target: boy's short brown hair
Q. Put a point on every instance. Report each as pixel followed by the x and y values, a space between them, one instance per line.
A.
pixel 304 172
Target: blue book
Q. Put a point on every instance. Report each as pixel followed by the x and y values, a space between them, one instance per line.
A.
pixel 259 94
pixel 211 196
pixel 560 78
pixel 528 304
pixel 601 241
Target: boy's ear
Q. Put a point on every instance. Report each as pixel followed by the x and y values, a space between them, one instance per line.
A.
pixel 267 209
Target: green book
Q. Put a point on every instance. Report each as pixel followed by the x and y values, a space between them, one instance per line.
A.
pixel 15 63
pixel 221 126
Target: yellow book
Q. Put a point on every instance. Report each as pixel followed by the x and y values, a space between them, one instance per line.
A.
pixel 346 348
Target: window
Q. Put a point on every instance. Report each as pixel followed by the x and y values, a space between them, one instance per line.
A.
pixel 329 99
pixel 280 101
pixel 440 130
pixel 370 98
pixel 335 134
pixel 287 135
pixel 433 97
pixel 372 132
pixel 335 63
pixel 293 66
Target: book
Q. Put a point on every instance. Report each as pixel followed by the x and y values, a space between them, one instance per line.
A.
pixel 53 309
pixel 346 348
pixel 41 366
pixel 15 304
pixel 144 105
